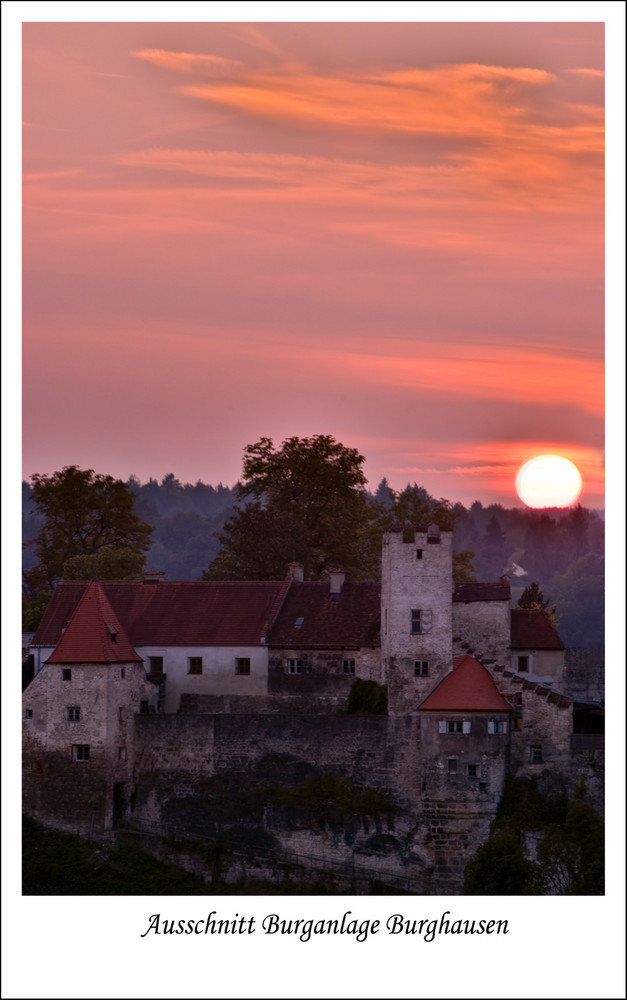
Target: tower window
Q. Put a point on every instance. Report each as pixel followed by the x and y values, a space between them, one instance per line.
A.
pixel 66 674
pixel 418 553
pixel 421 668
pixel 74 714
pixel 415 622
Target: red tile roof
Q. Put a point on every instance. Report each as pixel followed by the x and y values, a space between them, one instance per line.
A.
pixel 531 629
pixel 351 618
pixel 175 613
pixel 468 688
pixel 94 634
pixel 499 591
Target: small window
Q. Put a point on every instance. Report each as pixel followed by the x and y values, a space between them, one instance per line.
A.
pixel 415 622
pixel 242 665
pixel 483 786
pixel 348 666
pixel 452 765
pixel 28 714
pixel 421 668
pixel 143 708
pixel 299 621
pixel 535 756
pixel 120 714
pixel 294 666
pixel 194 665
pixel 473 770
pixel 454 726
pixel 80 751
pixel 496 728
pixel 156 664
pixel 523 664
pixel 122 673
pixel 518 723
pixel 433 535
pixel 74 714
pixel 66 674
pixel 418 553
pixel 121 753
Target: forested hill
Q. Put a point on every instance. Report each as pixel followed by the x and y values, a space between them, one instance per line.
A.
pixel 562 550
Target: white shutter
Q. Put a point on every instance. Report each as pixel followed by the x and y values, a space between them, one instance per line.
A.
pixel 490 726
pixel 442 726
pixel 505 726
pixel 466 726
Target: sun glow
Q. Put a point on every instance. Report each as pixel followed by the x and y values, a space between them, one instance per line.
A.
pixel 548 481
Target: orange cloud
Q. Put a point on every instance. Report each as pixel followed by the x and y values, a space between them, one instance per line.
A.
pixel 189 62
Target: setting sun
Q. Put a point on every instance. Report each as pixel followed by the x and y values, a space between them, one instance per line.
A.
pixel 548 481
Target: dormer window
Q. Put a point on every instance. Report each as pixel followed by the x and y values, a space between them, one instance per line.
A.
pixel 299 622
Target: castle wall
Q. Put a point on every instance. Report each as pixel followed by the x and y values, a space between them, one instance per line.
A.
pixel 546 666
pixel 219 670
pixel 482 629
pixel 321 671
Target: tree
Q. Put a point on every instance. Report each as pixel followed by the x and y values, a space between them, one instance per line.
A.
pixel 106 564
pixel 463 569
pixel 84 513
pixel 533 599
pixel 499 868
pixel 304 502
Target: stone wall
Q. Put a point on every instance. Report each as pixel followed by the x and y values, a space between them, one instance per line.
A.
pixel 321 671
pixel 482 629
pixel 585 674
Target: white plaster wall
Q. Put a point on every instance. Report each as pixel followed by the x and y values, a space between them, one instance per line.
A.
pixel 218 671
pixel 545 666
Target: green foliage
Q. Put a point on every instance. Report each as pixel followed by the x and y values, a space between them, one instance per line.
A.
pixel 305 502
pixel 463 569
pixel 524 807
pixel 107 564
pixel 570 857
pixel 33 609
pixel 367 698
pixel 532 598
pixel 328 798
pixel 84 512
pixel 499 868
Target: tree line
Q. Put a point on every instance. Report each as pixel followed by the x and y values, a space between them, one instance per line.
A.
pixel 304 501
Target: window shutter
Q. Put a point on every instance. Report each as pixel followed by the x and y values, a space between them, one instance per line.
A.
pixel 442 726
pixel 490 726
pixel 505 726
pixel 426 621
pixel 466 726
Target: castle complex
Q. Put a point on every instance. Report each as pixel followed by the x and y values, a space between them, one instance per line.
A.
pixel 144 692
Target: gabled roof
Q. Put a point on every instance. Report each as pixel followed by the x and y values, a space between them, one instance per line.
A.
pixel 172 613
pixel 468 688
pixel 531 629
pixel 351 618
pixel 94 634
pixel 499 591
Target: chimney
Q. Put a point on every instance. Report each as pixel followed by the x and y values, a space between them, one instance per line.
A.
pixel 336 581
pixel 298 571
pixel 154 575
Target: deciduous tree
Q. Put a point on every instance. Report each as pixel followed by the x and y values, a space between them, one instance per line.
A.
pixel 84 513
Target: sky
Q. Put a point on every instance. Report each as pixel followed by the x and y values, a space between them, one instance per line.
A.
pixel 392 233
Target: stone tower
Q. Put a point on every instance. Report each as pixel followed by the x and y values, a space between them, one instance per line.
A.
pixel 416 615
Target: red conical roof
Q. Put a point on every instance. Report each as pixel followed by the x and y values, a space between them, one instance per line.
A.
pixel 94 634
pixel 468 688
